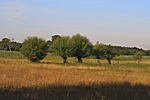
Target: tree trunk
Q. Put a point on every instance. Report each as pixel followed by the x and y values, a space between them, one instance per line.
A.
pixel 9 46
pixel 108 59
pixel 64 59
pixel 79 60
pixel 138 61
pixel 98 59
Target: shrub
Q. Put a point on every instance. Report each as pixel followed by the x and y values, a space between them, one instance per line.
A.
pixel 80 47
pixel 138 56
pixel 34 48
pixel 60 46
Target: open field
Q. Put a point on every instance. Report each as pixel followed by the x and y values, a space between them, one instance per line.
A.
pixel 53 80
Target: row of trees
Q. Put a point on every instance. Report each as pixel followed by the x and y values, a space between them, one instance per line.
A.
pixel 10 44
pixel 35 49
pixel 78 46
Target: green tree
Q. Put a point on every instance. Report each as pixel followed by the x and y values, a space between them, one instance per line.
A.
pixel 1 48
pixel 49 43
pixel 34 48
pixel 17 46
pixel 6 44
pixel 80 47
pixel 54 37
pixel 103 51
pixel 109 53
pixel 138 56
pixel 60 46
pixel 147 52
pixel 98 51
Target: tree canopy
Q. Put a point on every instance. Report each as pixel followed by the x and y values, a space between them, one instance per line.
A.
pixel 11 45
pixel 80 47
pixel 34 48
pixel 54 37
pixel 102 51
pixel 6 44
pixel 109 53
pixel 60 46
pixel 98 51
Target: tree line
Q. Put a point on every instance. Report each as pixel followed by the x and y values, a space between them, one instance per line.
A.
pixel 35 48
pixel 10 45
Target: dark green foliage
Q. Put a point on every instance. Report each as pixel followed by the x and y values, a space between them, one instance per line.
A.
pixel 98 51
pixel 109 53
pixel 1 48
pixel 34 48
pixel 49 43
pixel 15 46
pixel 11 45
pixel 129 50
pixel 103 51
pixel 61 47
pixel 54 37
pixel 147 52
pixel 5 44
pixel 80 47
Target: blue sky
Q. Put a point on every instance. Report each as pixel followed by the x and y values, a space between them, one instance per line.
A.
pixel 116 22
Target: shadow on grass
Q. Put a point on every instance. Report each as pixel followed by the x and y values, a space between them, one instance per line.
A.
pixel 105 91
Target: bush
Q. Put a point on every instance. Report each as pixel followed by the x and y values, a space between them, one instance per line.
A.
pixel 34 48
pixel 80 47
pixel 60 46
pixel 138 56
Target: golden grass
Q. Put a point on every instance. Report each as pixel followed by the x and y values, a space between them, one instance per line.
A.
pixel 21 73
pixel 49 80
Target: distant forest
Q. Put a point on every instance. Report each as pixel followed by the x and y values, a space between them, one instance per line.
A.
pixel 11 45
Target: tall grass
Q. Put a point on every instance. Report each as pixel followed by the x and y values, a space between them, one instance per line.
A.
pixel 118 63
pixel 52 80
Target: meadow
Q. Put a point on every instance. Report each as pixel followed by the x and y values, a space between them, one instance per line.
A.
pixel 52 80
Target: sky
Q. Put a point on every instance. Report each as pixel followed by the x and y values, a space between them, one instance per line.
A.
pixel 115 22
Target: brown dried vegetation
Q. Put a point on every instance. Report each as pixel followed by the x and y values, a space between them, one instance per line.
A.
pixel 21 80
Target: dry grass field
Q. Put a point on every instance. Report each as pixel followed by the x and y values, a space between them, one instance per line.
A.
pixel 52 80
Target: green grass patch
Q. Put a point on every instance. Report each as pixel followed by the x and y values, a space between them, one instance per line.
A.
pixel 119 63
pixel 123 57
pixel 11 54
pixel 129 57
